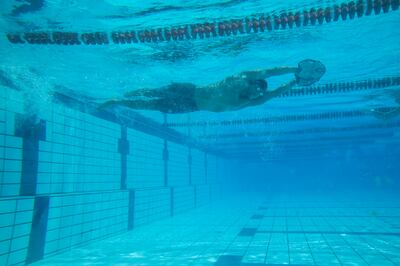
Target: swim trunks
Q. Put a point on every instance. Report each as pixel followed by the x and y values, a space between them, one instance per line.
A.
pixel 177 98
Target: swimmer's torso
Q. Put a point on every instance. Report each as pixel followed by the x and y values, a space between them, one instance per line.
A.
pixel 225 95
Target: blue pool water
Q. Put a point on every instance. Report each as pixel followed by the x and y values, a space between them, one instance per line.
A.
pixel 309 177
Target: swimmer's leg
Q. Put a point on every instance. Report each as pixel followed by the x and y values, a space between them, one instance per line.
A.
pixel 136 104
pixel 282 89
pixel 144 92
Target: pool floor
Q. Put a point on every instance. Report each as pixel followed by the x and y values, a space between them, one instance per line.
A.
pixel 273 231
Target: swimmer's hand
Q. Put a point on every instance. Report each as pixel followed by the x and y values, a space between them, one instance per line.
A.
pixel 309 71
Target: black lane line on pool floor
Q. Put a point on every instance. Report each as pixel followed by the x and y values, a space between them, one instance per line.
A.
pixel 253 231
pixel 32 130
pixel 37 237
pixel 131 210
pixel 257 216
pixel 234 260
pixel 329 207
pixel 123 149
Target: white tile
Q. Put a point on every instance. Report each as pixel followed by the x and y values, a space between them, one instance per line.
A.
pixel 10 123
pixel 52 235
pixel 45 146
pixel 13 142
pixel 2 114
pixel 51 247
pixel 13 153
pixel 45 167
pixel 3 259
pixel 53 224
pixel 14 95
pixel 11 177
pixel 6 219
pixel 5 233
pixel 23 217
pixel 9 190
pixel 43 188
pixel 2 99
pixel 45 156
pixel 2 140
pixel 15 105
pixel 22 230
pixel 44 178
pixel 7 206
pixel 25 204
pixel 19 243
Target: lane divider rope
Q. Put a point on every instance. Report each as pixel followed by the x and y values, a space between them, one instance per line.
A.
pixel 288 118
pixel 261 23
pixel 300 132
pixel 344 87
pixel 259 143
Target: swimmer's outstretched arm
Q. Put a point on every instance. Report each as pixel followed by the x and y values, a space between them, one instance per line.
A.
pixel 265 73
pixel 272 94
pixel 386 115
pixel 282 89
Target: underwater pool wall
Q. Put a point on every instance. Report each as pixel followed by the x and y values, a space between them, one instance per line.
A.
pixel 68 178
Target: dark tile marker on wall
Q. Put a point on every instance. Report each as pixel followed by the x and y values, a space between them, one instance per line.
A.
pixel 205 168
pixel 248 232
pixel 190 160
pixel 131 210
pixel 37 238
pixel 123 149
pixel 165 158
pixel 229 260
pixel 165 155
pixel 31 130
pixel 172 201
pixel 195 195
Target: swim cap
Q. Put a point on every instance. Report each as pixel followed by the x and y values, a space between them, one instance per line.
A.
pixel 309 72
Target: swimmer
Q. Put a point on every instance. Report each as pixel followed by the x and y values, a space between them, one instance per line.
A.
pixel 248 88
